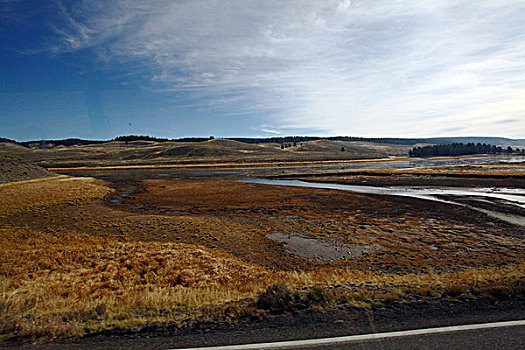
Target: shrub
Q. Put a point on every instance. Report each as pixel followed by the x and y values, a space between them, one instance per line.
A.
pixel 319 297
pixel 499 292
pixel 277 299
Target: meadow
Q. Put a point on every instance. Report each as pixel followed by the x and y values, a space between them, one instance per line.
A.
pixel 173 253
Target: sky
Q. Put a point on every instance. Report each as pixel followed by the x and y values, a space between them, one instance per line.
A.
pixel 393 68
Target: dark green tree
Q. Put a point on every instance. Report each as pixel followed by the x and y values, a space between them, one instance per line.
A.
pixel 456 149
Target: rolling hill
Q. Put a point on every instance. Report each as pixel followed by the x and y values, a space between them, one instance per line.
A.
pixel 138 150
pixel 15 169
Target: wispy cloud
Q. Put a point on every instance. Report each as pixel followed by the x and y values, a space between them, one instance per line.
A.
pixel 404 68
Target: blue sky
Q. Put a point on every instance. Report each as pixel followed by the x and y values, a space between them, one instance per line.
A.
pixel 98 69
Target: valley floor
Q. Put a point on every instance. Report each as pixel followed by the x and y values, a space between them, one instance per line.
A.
pixel 83 255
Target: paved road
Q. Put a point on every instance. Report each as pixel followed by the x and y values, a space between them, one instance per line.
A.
pixel 512 338
pixel 503 335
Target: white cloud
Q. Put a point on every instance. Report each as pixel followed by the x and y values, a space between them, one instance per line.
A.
pixel 379 68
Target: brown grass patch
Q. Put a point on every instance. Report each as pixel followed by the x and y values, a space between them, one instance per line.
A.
pixel 414 235
pixel 63 279
pixel 66 285
pixel 26 195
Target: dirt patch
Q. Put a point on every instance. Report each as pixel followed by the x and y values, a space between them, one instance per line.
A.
pixel 322 249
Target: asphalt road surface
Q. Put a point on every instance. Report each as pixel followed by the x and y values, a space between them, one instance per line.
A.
pixel 503 335
pixel 499 335
pixel 511 338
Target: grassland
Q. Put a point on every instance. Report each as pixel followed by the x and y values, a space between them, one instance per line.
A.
pixel 174 252
pixel 15 169
pixel 39 193
pixel 72 285
pixel 149 153
pixel 225 165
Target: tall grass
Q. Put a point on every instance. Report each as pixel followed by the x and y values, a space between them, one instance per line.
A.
pixel 67 285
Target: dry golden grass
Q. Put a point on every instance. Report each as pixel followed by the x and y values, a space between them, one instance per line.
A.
pixel 63 284
pixel 467 279
pixel 26 195
pixel 53 282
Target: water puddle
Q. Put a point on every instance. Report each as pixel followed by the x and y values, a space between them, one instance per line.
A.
pixel 121 195
pixel 512 218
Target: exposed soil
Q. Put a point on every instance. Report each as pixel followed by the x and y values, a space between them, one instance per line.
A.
pixel 322 249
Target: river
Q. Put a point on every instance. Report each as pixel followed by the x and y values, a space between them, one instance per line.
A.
pixel 496 196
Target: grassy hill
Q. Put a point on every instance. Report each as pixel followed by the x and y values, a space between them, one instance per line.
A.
pixel 15 169
pixel 214 150
pixel 142 150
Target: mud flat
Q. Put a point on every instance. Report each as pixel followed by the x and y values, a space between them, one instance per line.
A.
pixel 506 204
pixel 322 249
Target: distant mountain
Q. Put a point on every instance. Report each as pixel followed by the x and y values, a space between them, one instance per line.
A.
pixel 63 142
pixel 498 141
